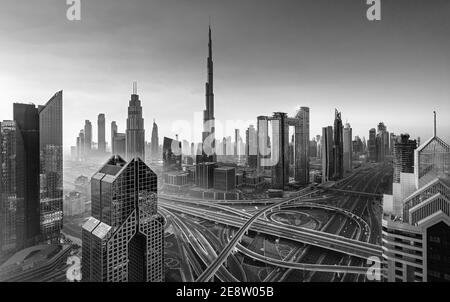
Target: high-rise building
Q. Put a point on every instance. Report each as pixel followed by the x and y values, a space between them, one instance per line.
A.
pixel 120 144
pixel 10 203
pixel 327 154
pixel 338 147
pixel 155 141
pixel 319 147
pixel 101 133
pixel 225 178
pixel 301 146
pixel 80 145
pixel 113 133
pixel 372 145
pixel 204 174
pixel 280 150
pixel 123 241
pixel 135 128
pixel 416 219
pixel 382 143
pixel 208 135
pixel 251 148
pixel 348 148
pixel 26 117
pixel 403 156
pixel 51 167
pixel 87 137
pixel 172 154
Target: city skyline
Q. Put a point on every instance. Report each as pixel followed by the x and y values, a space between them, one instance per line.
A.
pixel 322 66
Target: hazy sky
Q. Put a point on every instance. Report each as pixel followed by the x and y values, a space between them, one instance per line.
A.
pixel 269 56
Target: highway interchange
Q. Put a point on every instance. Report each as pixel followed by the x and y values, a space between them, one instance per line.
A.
pixel 241 241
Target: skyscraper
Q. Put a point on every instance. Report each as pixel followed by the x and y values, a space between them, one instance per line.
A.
pixel 51 167
pixel 87 137
pixel 9 200
pixel 327 154
pixel 251 148
pixel 208 135
pixel 135 128
pixel 26 117
pixel 113 133
pixel 403 156
pixel 101 133
pixel 416 220
pixel 123 241
pixel 302 139
pixel 348 148
pixel 372 145
pixel 338 147
pixel 155 141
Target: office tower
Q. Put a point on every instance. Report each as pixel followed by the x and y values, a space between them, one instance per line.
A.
pixel 123 241
pixel 382 142
pixel 225 179
pixel 224 147
pixel 392 140
pixel 87 137
pixel 301 147
pixel 280 151
pixel 113 133
pixel 208 135
pixel 204 174
pixel 237 143
pixel 80 144
pixel 372 145
pixel 251 148
pixel 348 148
pixel 155 141
pixel 319 147
pixel 135 128
pixel 172 155
pixel 9 198
pixel 51 167
pixel 313 148
pixel 101 133
pixel 120 144
pixel 327 154
pixel 403 156
pixel 416 232
pixel 338 147
pixel 26 117
pixel 358 146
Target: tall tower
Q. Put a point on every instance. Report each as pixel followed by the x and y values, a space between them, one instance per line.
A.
pixel 302 137
pixel 113 134
pixel 51 167
pixel 135 128
pixel 348 148
pixel 338 147
pixel 26 117
pixel 123 241
pixel 101 133
pixel 155 141
pixel 87 137
pixel 9 201
pixel 208 135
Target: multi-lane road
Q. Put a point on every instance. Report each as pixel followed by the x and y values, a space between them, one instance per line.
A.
pixel 336 252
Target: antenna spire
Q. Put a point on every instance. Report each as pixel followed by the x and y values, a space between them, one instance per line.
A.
pixel 135 87
pixel 434 131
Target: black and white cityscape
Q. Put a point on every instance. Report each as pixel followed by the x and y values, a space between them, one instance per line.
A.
pixel 225 141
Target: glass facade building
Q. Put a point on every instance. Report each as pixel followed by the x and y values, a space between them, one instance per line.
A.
pixel 123 241
pixel 51 168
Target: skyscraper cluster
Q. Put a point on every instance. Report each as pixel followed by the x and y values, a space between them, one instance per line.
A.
pixel 31 178
pixel 380 143
pixel 416 220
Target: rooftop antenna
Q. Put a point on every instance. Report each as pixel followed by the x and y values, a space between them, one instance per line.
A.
pixel 134 87
pixel 434 131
